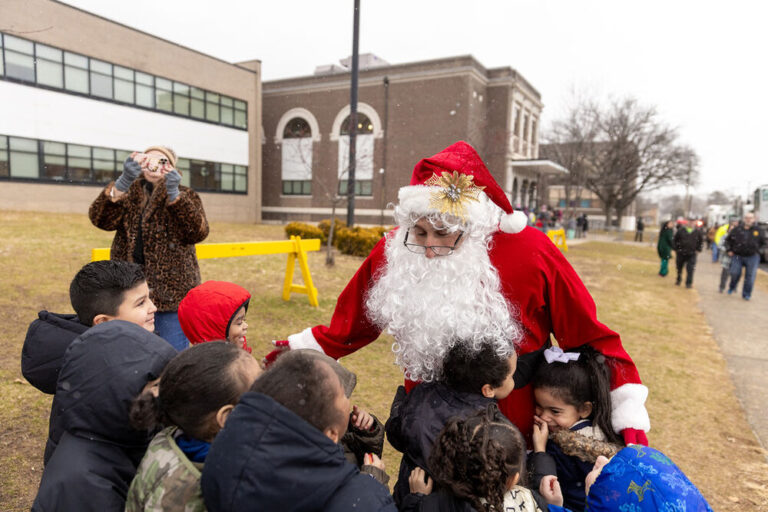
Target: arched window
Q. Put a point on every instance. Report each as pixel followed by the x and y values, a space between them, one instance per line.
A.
pixel 297 158
pixel 515 195
pixel 364 157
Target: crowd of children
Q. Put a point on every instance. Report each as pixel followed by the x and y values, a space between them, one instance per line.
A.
pixel 137 426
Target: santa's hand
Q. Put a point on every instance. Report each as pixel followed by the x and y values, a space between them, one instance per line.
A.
pixel 634 436
pixel 280 347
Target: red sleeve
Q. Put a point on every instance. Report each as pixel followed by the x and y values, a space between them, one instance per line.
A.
pixel 574 318
pixel 350 328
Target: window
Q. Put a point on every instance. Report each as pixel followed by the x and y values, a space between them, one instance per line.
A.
pixel 54 161
pixel 297 158
pixel 50 67
pixel 586 203
pixel 145 90
pixel 19 59
pixel 40 64
pixel 24 158
pixel 197 103
pixel 364 156
pixel 78 162
pixel 4 167
pixel 181 98
pixel 212 107
pixel 20 158
pixel 76 73
pixel 123 84
pixel 163 94
pixel 534 132
pixel 101 79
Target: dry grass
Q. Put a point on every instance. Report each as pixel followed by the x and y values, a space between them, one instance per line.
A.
pixel 696 418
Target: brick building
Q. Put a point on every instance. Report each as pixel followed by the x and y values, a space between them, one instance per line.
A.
pixel 405 112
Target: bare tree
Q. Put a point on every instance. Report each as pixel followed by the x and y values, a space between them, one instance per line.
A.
pixel 625 149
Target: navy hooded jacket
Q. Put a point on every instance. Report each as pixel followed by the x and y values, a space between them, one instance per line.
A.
pixel 47 340
pixel 416 419
pixel 268 458
pixel 97 451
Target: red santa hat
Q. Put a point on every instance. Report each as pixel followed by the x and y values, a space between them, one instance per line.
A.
pixel 456 181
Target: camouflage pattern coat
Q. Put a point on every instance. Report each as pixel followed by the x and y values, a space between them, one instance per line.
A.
pixel 166 481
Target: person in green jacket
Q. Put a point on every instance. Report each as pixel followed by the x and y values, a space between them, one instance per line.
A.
pixel 664 247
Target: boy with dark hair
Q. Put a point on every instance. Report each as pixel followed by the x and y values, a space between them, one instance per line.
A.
pixel 100 291
pixel 473 376
pixel 280 447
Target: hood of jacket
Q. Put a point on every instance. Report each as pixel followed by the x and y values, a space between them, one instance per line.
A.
pixel 268 458
pixel 207 311
pixel 104 370
pixel 47 339
pixel 427 409
pixel 640 478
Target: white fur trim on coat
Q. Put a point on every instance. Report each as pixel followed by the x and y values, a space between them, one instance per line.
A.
pixel 514 222
pixel 628 402
pixel 304 339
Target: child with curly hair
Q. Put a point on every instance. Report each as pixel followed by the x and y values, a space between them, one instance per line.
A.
pixel 478 465
pixel 573 416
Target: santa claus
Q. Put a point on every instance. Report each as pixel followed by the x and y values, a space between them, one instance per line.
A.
pixel 461 266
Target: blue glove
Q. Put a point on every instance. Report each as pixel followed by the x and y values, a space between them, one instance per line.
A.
pixel 131 171
pixel 172 180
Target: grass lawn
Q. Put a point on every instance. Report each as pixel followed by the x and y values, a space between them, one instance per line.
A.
pixel 696 418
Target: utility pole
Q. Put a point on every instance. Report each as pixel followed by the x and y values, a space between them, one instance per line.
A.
pixel 353 120
pixel 383 170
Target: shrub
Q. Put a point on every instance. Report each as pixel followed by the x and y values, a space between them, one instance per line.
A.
pixel 357 241
pixel 305 231
pixel 325 227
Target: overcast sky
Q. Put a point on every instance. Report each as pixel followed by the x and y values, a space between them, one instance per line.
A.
pixel 701 63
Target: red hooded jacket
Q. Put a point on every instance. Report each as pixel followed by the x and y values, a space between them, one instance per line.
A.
pixel 208 310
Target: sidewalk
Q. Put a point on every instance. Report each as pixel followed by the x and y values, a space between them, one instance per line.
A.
pixel 740 328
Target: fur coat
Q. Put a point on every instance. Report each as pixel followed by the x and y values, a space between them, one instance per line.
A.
pixel 169 234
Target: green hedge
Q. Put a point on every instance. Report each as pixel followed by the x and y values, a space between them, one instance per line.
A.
pixel 305 231
pixel 358 241
pixel 325 227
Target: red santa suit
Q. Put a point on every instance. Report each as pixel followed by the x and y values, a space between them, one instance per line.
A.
pixel 536 280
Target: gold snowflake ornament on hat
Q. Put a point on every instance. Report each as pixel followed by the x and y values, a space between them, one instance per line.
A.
pixel 456 190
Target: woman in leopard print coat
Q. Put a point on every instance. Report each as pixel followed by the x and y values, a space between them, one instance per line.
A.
pixel 157 223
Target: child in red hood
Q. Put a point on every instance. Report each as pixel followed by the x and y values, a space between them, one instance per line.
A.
pixel 215 311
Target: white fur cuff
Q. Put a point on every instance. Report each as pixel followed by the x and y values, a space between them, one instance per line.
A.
pixel 304 339
pixel 629 410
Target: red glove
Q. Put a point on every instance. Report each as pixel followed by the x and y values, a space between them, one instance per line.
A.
pixel 282 346
pixel 634 436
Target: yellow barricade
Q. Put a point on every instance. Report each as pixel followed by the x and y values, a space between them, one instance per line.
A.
pixel 558 238
pixel 295 248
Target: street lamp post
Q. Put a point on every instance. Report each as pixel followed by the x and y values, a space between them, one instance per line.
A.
pixel 353 120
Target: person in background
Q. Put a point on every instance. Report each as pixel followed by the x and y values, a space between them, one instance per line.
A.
pixel 725 258
pixel 639 228
pixel 664 246
pixel 687 242
pixel 157 222
pixel 718 240
pixel 744 243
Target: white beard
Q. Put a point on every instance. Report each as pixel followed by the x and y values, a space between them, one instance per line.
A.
pixel 430 304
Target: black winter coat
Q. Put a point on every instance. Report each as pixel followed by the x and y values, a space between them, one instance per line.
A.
pixel 268 458
pixel 47 339
pixel 416 419
pixel 743 241
pixel 687 243
pixel 96 451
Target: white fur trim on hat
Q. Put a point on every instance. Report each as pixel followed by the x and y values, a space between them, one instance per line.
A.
pixel 513 222
pixel 416 198
pixel 628 403
pixel 304 339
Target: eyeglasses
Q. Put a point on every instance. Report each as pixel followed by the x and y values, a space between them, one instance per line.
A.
pixel 438 250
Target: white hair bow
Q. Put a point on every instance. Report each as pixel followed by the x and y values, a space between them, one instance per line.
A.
pixel 556 354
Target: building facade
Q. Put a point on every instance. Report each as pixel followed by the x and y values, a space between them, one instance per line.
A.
pixel 79 93
pixel 405 112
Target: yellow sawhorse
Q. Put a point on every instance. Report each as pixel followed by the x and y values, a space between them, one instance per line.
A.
pixel 296 248
pixel 558 238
